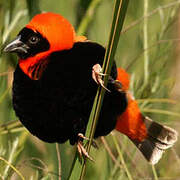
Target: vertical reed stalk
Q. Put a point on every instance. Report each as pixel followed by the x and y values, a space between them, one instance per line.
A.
pixel 120 9
pixel 145 45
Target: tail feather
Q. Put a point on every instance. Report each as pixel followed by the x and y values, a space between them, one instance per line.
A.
pixel 159 138
pixel 150 137
pixel 149 150
pixel 161 133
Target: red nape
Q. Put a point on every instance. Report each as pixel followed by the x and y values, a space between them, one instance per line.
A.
pixel 131 122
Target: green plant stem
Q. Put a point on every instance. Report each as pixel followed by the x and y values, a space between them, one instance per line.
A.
pixel 14 130
pixel 121 157
pixel 12 25
pixel 145 45
pixel 150 47
pixel 88 17
pixel 33 7
pixel 157 100
pixel 169 5
pixel 11 154
pixel 160 111
pixel 109 151
pixel 4 94
pixel 154 172
pixel 11 126
pixel 9 164
pixel 118 19
pixel 59 160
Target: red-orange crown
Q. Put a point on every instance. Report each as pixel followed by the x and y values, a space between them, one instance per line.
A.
pixel 55 28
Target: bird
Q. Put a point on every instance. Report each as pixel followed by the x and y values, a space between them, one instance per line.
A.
pixel 55 83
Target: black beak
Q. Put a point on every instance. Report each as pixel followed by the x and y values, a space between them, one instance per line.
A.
pixel 17 46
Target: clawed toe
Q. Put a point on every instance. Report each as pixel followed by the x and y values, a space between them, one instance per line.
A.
pixel 94 144
pixel 81 150
pixel 97 76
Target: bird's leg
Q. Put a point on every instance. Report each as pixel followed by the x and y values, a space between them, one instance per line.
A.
pixel 97 76
pixel 82 151
pixel 94 144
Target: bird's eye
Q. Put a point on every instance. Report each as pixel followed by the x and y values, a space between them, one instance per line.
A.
pixel 33 39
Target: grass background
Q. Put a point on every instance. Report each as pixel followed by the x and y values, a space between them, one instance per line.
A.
pixel 148 50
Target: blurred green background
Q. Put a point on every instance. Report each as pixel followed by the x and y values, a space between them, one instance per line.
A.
pixel 148 49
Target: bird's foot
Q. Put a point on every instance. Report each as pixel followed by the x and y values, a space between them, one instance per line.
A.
pixel 94 144
pixel 97 76
pixel 81 150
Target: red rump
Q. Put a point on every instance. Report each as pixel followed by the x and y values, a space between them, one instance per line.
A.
pixel 131 121
pixel 124 78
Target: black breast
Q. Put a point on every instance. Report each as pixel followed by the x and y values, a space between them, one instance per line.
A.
pixel 57 107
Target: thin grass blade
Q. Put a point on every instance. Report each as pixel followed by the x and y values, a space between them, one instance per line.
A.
pixel 33 7
pixel 118 19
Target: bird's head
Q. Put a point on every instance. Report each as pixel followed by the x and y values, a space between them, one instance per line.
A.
pixel 44 34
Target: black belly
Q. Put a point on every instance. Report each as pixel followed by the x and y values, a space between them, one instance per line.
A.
pixel 57 107
pixel 53 116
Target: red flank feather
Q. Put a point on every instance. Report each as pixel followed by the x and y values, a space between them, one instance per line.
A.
pixel 131 121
